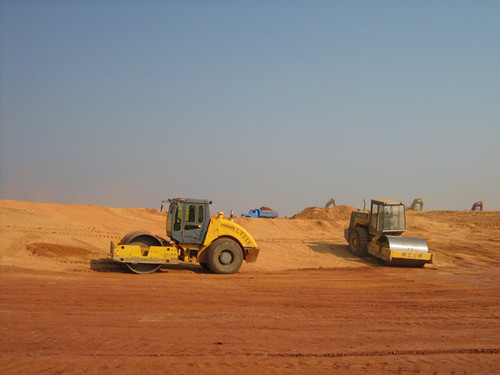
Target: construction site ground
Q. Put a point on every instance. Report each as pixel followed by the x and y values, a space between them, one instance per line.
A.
pixel 305 307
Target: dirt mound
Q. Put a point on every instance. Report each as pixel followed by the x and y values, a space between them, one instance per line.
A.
pixel 57 237
pixel 341 212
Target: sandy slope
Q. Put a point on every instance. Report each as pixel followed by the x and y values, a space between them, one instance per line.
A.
pixel 71 237
pixel 305 307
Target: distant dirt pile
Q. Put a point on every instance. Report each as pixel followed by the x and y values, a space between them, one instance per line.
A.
pixel 341 212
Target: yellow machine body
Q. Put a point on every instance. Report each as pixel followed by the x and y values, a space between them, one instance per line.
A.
pixel 378 233
pixel 188 252
pixel 135 253
pixel 192 233
pixel 221 227
pixel 384 252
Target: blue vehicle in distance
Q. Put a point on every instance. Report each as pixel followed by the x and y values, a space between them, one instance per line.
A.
pixel 264 212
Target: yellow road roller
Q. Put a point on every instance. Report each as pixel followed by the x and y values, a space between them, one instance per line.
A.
pixel 378 233
pixel 217 244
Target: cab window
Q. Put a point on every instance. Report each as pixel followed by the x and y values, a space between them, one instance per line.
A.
pixel 178 218
pixel 194 217
pixel 394 218
pixel 200 214
pixel 374 217
pixel 191 214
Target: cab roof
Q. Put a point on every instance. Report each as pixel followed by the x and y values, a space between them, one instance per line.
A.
pixel 190 200
pixel 387 202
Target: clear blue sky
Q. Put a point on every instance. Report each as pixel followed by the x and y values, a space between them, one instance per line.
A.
pixel 250 103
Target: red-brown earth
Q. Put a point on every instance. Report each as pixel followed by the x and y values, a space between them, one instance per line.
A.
pixel 307 306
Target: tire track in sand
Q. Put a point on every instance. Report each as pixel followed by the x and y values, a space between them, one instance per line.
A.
pixel 375 353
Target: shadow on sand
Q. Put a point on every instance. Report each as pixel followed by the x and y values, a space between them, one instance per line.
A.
pixel 107 265
pixel 341 251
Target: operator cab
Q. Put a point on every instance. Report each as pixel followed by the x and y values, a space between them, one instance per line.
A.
pixel 188 220
pixel 387 217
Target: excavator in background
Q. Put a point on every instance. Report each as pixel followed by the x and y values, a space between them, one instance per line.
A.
pixel 218 245
pixel 331 202
pixel 417 205
pixel 378 232
pixel 478 206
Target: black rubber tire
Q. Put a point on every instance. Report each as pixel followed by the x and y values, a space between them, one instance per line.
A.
pixel 204 266
pixel 224 256
pixel 358 241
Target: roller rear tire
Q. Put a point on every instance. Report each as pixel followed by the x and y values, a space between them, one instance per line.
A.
pixel 224 256
pixel 204 266
pixel 358 241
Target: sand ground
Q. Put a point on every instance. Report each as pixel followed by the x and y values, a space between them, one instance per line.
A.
pixel 307 306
